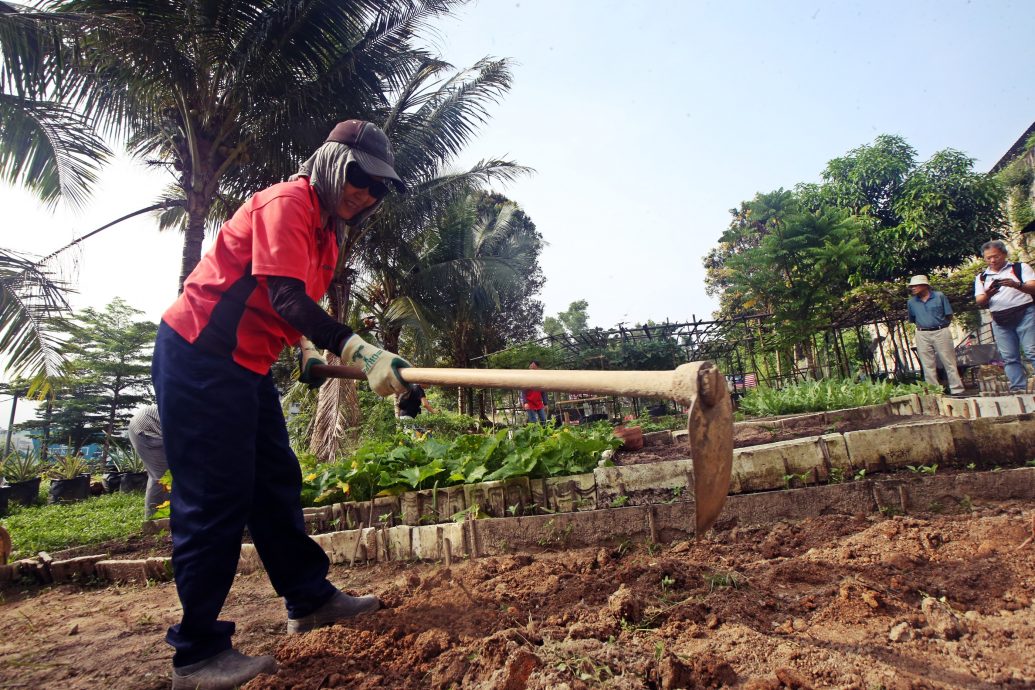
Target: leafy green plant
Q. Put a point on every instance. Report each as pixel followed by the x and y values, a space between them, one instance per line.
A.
pixel 447 425
pixel 68 466
pixel 619 501
pixel 860 475
pixel 59 526
pixel 923 469
pixel 819 396
pixel 403 463
pixel 19 467
pixel 836 476
pixel 803 479
pixel 126 460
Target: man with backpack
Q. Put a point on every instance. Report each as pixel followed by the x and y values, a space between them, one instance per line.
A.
pixel 1006 290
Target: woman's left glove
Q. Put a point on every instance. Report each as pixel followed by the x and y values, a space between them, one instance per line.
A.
pixel 308 357
pixel 381 366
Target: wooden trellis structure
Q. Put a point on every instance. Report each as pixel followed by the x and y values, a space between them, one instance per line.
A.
pixel 860 345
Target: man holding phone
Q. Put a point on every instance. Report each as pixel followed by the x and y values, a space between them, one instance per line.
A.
pixel 1006 290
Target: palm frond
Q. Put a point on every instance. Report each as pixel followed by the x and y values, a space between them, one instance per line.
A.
pixel 49 149
pixel 31 303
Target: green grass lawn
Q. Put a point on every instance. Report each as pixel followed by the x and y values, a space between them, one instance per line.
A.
pixel 55 527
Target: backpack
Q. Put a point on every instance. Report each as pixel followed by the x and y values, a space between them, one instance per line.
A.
pixel 1016 271
pixel 1011 316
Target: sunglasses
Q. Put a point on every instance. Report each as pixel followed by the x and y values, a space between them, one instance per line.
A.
pixel 356 177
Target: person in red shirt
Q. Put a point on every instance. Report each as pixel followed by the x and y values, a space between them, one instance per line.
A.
pixel 253 293
pixel 534 401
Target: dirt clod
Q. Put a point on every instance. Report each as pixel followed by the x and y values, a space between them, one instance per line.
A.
pixel 941 619
pixel 625 605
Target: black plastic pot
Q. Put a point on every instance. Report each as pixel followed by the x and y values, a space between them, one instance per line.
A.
pixel 69 490
pixel 5 492
pixel 26 492
pixel 133 481
pixel 112 481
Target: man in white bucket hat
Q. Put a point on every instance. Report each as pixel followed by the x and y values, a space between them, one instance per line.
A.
pixel 931 312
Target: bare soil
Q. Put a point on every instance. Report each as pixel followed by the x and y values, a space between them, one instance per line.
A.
pixel 928 601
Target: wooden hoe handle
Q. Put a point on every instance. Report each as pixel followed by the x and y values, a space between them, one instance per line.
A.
pixel 699 385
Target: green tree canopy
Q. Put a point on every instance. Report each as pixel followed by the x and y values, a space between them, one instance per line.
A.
pixel 571 321
pixel 228 95
pixel 109 375
pixel 877 216
pixel 923 216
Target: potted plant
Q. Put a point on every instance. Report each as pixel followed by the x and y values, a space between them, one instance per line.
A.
pixel 131 466
pixel 69 479
pixel 632 437
pixel 23 472
pixel 113 472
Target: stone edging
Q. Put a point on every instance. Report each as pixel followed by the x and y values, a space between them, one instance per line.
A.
pixel 651 501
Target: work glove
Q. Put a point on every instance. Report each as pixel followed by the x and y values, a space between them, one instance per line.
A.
pixel 308 357
pixel 381 366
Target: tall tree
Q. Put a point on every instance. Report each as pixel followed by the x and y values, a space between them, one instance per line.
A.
pixel 229 95
pixel 923 217
pixel 571 321
pixel 109 354
pixel 472 268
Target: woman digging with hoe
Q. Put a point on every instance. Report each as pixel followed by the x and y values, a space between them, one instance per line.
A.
pixel 253 293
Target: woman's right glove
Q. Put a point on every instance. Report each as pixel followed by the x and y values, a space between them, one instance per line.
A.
pixel 381 366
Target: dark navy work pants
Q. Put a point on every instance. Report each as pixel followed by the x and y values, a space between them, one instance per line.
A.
pixel 232 466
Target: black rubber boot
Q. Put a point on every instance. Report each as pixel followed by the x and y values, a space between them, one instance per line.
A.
pixel 340 607
pixel 224 671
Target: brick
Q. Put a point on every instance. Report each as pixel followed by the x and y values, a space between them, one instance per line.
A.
pixel 760 468
pixel 572 493
pixel 897 446
pixel 496 498
pixel 81 567
pixel 641 484
pixel 159 568
pixel 400 543
pixel 427 540
pixel 123 570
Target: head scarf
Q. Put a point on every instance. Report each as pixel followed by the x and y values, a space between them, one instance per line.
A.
pixel 325 170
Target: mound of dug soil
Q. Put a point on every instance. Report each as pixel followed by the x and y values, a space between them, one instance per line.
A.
pixel 939 601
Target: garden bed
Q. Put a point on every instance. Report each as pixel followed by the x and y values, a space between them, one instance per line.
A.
pixel 874 583
pixel 847 601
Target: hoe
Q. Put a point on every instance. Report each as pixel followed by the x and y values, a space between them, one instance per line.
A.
pixel 699 385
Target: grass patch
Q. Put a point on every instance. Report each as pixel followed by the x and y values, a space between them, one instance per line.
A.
pixel 55 527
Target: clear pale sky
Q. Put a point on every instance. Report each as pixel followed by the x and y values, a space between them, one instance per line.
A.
pixel 645 123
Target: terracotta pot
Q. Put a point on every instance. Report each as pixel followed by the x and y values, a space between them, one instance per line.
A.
pixel 632 437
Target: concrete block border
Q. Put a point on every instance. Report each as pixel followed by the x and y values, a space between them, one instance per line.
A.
pixel 650 502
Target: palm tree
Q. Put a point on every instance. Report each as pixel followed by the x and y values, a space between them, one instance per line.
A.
pixel 430 118
pixel 228 95
pixel 472 268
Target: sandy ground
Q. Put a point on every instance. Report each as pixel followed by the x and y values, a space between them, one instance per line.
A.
pixel 867 602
